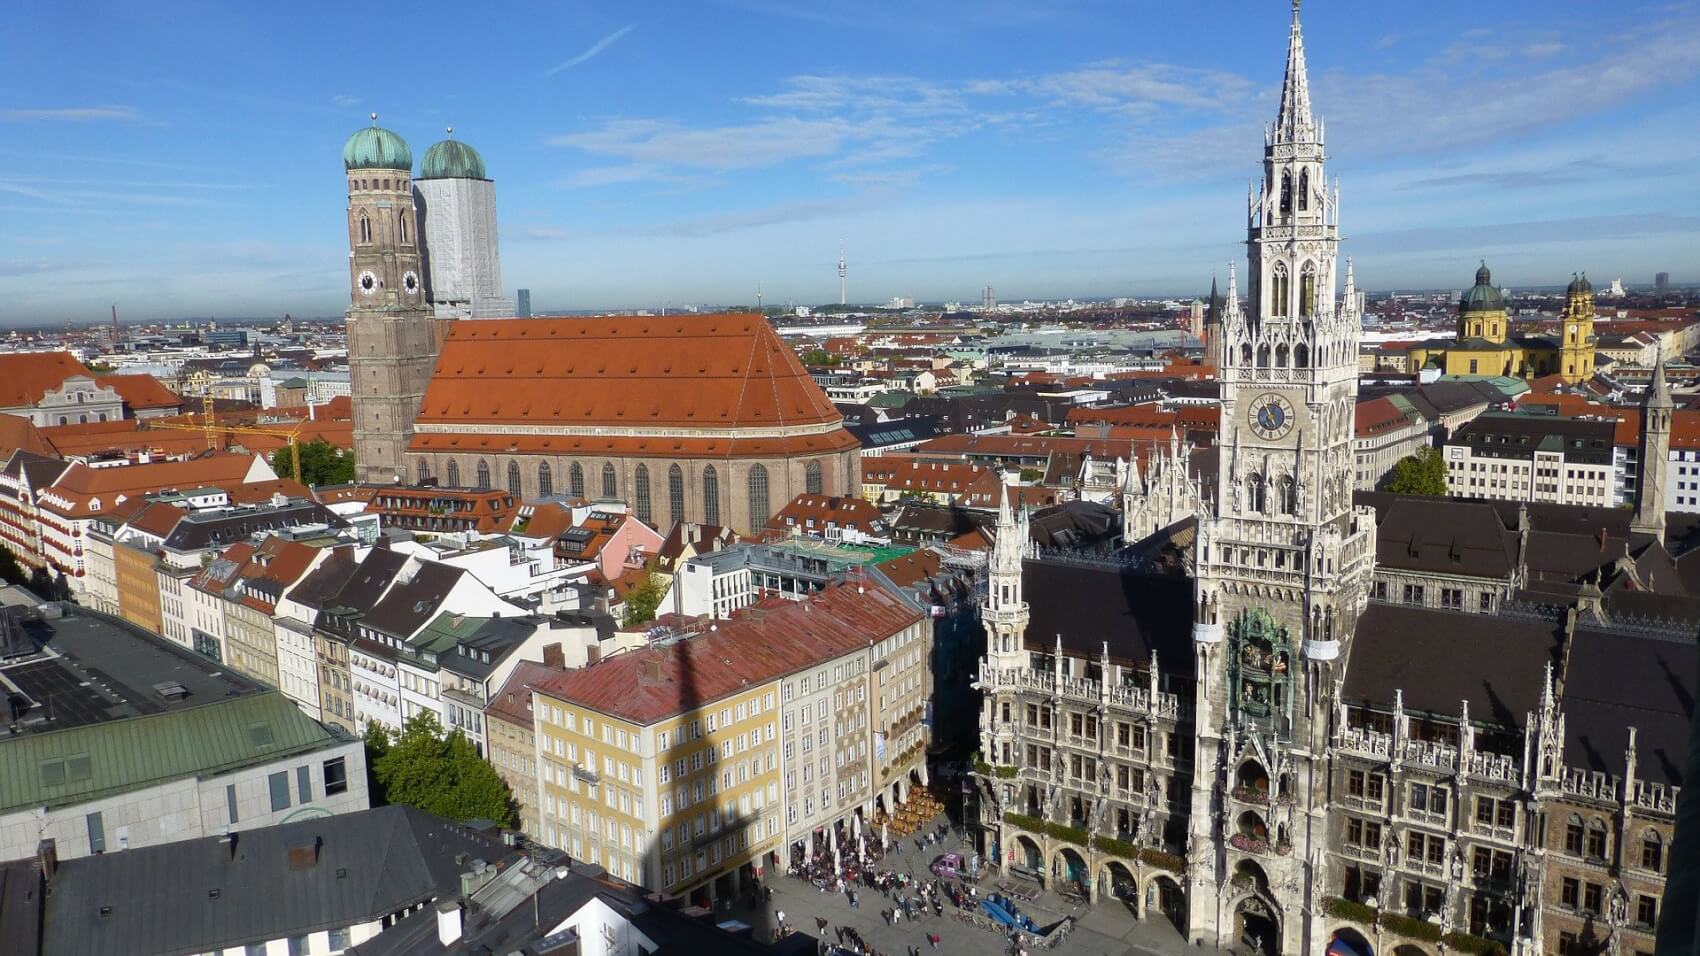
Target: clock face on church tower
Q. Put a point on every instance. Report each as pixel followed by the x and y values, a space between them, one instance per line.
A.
pixel 1271 416
pixel 368 282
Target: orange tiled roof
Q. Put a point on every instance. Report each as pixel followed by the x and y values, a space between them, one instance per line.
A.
pixel 1378 415
pixel 816 512
pixel 141 391
pixel 82 485
pixel 26 376
pixel 836 440
pixel 20 434
pixel 911 474
pixel 711 371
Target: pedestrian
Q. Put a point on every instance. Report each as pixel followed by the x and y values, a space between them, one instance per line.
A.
pixel 934 939
pixel 779 916
pixel 840 931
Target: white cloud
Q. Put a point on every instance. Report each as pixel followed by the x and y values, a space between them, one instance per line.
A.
pixel 344 101
pixel 71 114
pixel 744 146
pixel 594 49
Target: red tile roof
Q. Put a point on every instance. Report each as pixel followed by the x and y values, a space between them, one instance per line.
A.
pixel 815 513
pixel 654 683
pixel 1378 415
pixel 20 434
pixel 83 486
pixel 713 371
pixel 141 391
pixel 512 702
pixel 913 474
pixel 26 376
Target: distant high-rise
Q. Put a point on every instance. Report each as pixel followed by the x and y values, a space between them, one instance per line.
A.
pixel 523 309
pixel 988 298
pixel 841 273
pixel 1661 282
pixel 456 200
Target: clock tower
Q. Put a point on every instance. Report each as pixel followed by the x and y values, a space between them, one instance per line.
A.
pixel 1283 559
pixel 392 339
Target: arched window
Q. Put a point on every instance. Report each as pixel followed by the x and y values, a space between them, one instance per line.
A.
pixel 575 480
pixel 424 471
pixel 811 478
pixel 610 484
pixel 1263 356
pixel 758 497
pixel 1280 288
pixel 1245 355
pixel 676 493
pixel 483 474
pixel 1286 193
pixel 710 495
pixel 1289 498
pixel 1307 290
pixel 453 475
pixel 1596 848
pixel 545 480
pixel 82 419
pixel 1653 852
pixel 1301 356
pixel 365 228
pixel 513 478
pixel 1254 493
pixel 1281 355
pixel 640 494
pixel 402 222
pixel 1304 189
pixel 1573 834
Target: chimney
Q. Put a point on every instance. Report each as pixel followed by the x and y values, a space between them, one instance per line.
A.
pixel 652 669
pixel 554 656
pixel 593 653
pixel 228 841
pixel 47 855
pixel 448 922
pixel 304 856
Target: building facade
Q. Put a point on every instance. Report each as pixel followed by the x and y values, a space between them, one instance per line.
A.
pixel 456 200
pixel 1534 458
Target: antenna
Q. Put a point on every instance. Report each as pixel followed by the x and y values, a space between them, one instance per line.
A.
pixel 115 337
pixel 841 272
pixel 758 295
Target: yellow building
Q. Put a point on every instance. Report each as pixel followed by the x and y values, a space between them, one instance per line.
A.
pixel 668 766
pixel 1486 346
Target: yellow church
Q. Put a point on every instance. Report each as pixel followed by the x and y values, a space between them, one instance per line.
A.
pixel 1485 345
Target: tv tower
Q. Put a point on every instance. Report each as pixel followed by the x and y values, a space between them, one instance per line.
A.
pixel 841 272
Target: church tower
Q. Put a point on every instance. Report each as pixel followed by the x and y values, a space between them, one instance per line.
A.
pixel 392 339
pixel 1005 616
pixel 1576 332
pixel 1283 559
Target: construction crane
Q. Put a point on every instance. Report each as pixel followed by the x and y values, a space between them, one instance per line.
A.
pixel 212 428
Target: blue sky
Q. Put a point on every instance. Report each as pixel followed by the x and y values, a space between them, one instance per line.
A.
pixel 183 158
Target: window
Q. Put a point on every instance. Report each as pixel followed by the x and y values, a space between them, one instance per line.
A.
pixel 1652 851
pixel 1647 911
pixel 575 480
pixel 424 471
pixel 336 776
pixel 1570 892
pixel 97 833
pixel 303 784
pixel 298 946
pixel 230 801
pixel 545 480
pixel 640 494
pixel 513 478
pixel 610 484
pixel 1591 894
pixel 340 939
pixel 453 475
pixel 1596 848
pixel 811 478
pixel 483 475
pixel 365 228
pixel 676 493
pixel 711 495
pixel 279 784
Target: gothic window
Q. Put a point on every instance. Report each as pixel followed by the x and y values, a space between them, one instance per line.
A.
pixel 365 228
pixel 424 471
pixel 640 494
pixel 1307 290
pixel 1652 852
pixel 575 480
pixel 545 480
pixel 1281 355
pixel 610 484
pixel 1304 189
pixel 758 496
pixel 710 495
pixel 1289 498
pixel 1301 356
pixel 811 478
pixel 453 476
pixel 1286 193
pixel 676 493
pixel 1245 355
pixel 1254 493
pixel 483 475
pixel 513 478
pixel 1263 356
pixel 1280 287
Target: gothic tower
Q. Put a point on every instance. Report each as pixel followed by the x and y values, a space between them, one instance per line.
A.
pixel 1005 616
pixel 1656 411
pixel 392 339
pixel 1283 560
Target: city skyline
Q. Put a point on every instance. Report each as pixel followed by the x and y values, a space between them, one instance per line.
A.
pixel 635 170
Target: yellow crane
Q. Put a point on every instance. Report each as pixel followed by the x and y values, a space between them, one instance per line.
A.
pixel 212 428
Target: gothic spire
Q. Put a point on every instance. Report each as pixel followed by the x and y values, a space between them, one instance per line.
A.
pixel 1295 124
pixel 1658 392
pixel 1213 314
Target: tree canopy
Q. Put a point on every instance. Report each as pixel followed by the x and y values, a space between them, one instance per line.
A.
pixel 322 463
pixel 442 774
pixel 644 600
pixel 1423 473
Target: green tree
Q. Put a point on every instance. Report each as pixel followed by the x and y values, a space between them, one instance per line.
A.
pixel 819 357
pixel 10 571
pixel 322 462
pixel 377 741
pixel 421 767
pixel 642 602
pixel 1423 473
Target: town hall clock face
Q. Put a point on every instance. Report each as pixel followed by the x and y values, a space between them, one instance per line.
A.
pixel 1271 416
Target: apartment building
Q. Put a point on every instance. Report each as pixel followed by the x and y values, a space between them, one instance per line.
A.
pixel 691 764
pixel 1534 458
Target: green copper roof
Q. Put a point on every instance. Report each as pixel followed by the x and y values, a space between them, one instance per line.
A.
pixel 115 756
pixel 1482 297
pixel 374 147
pixel 452 159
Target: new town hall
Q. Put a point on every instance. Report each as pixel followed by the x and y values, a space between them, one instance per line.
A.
pixel 1310 721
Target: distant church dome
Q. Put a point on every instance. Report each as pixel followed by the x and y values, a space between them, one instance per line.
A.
pixel 1482 297
pixel 452 159
pixel 1579 284
pixel 374 147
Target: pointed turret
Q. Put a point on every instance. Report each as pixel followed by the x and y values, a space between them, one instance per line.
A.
pixel 1656 411
pixel 1295 124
